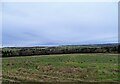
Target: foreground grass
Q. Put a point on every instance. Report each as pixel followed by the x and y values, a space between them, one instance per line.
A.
pixel 61 68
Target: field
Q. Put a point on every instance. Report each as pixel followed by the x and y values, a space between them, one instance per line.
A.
pixel 61 68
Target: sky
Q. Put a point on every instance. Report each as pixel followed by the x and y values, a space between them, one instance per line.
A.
pixel 0 25
pixel 60 1
pixel 59 23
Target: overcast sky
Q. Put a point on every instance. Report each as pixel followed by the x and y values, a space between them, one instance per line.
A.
pixel 39 24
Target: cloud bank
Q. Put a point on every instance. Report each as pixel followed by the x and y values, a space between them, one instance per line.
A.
pixel 37 24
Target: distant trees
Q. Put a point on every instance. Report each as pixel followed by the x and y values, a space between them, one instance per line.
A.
pixel 9 52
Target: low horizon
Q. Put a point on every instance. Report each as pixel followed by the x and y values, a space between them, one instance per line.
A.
pixel 64 45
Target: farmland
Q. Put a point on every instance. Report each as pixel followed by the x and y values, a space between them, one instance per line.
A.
pixel 61 68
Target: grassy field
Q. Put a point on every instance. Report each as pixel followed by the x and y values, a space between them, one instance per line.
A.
pixel 61 68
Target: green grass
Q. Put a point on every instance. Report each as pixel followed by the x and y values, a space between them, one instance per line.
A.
pixel 61 68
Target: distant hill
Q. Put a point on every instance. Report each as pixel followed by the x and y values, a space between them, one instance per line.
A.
pixel 63 49
pixel 87 45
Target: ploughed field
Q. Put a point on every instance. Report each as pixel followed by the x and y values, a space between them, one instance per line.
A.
pixel 61 68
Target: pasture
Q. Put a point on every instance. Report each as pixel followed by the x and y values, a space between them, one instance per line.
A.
pixel 61 68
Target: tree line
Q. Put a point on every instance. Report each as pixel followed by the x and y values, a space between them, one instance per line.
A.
pixel 29 51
